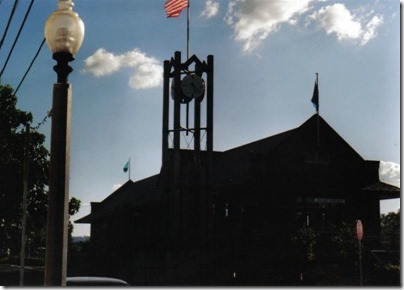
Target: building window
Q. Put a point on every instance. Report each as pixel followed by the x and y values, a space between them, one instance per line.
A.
pixel 307 219
pixel 316 157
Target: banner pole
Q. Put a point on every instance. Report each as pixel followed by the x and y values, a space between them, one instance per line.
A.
pixel 360 262
pixel 188 29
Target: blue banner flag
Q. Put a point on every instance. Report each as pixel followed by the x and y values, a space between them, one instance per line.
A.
pixel 315 99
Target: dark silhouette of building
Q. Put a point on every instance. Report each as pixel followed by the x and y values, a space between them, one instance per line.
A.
pixel 262 192
pixel 227 218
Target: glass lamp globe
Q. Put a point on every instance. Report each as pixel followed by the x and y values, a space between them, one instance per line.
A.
pixel 64 30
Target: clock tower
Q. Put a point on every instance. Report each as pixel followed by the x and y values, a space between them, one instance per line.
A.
pixel 186 173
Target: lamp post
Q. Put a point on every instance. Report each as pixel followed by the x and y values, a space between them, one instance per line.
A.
pixel 64 33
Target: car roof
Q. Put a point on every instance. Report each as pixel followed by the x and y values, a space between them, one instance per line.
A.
pixel 94 281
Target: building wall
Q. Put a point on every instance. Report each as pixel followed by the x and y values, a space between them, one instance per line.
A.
pixel 239 231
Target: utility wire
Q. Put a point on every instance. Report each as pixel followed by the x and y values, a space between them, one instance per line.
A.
pixel 8 23
pixel 16 38
pixel 32 62
pixel 48 115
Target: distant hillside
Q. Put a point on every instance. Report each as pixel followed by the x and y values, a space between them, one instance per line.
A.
pixel 80 239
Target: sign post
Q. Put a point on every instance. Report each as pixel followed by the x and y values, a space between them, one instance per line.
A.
pixel 359 234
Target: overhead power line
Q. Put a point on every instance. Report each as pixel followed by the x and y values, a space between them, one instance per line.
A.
pixel 29 68
pixel 8 22
pixel 17 37
pixel 48 115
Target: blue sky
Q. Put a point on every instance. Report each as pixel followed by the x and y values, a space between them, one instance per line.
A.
pixel 266 55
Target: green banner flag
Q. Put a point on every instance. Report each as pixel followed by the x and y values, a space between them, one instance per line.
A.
pixel 126 167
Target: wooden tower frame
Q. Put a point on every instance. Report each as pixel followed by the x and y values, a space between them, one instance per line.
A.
pixel 174 69
pixel 188 199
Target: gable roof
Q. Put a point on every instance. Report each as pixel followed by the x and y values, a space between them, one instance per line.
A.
pixel 313 127
pixel 315 134
pixel 131 193
pixel 384 190
pixel 232 166
pixel 321 132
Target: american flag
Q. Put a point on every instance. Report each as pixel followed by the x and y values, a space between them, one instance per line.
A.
pixel 174 7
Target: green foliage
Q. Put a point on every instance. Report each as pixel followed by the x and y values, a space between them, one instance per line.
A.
pixel 12 148
pixel 390 228
pixel 390 223
pixel 345 241
pixel 304 240
pixel 74 206
pixel 12 145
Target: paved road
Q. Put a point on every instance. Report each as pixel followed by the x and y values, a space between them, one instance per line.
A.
pixel 10 275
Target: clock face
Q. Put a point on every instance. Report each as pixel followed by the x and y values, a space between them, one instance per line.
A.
pixel 193 86
pixel 181 97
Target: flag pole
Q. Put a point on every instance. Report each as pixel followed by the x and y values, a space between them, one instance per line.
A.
pixel 129 168
pixel 318 114
pixel 318 106
pixel 188 29
pixel 187 106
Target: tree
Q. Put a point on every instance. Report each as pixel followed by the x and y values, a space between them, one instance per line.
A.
pixel 74 206
pixel 345 241
pixel 12 143
pixel 390 228
pixel 12 147
pixel 304 239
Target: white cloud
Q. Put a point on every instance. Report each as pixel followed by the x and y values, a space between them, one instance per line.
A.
pixel 254 20
pixel 147 72
pixel 148 75
pixel 116 186
pixel 370 32
pixel 337 19
pixel 389 172
pixel 102 63
pixel 211 9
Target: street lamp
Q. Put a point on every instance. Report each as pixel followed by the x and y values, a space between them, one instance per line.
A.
pixel 64 33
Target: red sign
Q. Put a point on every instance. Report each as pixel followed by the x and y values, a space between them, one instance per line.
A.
pixel 359 230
